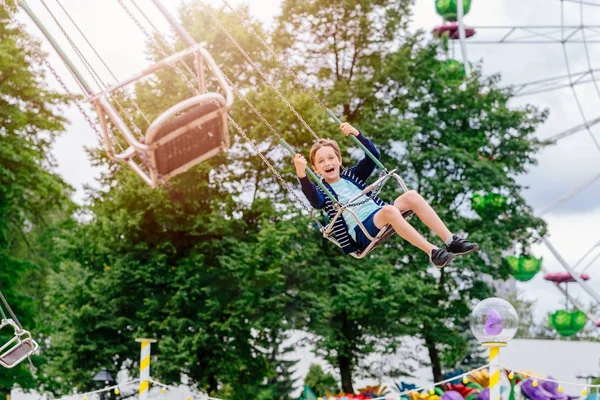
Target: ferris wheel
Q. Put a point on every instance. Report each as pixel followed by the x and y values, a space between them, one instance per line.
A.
pixel 562 36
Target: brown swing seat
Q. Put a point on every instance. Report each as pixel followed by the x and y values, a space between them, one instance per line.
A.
pixel 384 234
pixel 186 134
pixel 187 140
pixel 18 348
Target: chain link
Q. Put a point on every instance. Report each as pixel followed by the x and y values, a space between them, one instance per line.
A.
pixel 275 55
pixel 160 48
pixel 127 97
pixel 88 66
pixel 286 185
pixel 257 68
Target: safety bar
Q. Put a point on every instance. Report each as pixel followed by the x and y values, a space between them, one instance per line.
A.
pixel 329 228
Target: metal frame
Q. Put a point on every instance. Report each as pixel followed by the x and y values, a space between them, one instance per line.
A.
pixel 101 101
pixel 385 233
pixel 146 151
pixel 542 34
pixel 21 337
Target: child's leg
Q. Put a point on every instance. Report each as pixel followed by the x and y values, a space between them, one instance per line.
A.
pixel 412 200
pixel 392 216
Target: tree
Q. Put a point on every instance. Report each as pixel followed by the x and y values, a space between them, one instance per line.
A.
pixel 34 202
pixel 450 140
pixel 462 139
pixel 212 276
pixel 321 382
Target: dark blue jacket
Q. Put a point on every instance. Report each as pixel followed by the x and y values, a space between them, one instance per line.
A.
pixel 357 174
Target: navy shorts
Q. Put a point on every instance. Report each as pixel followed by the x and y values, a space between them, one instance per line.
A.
pixel 369 225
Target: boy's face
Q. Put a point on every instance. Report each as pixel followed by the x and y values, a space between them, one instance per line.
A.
pixel 327 164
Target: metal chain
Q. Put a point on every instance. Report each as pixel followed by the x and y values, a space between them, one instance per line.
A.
pixel 127 97
pixel 286 185
pixel 275 55
pixel 95 76
pixel 257 68
pixel 53 71
pixel 162 39
pixel 80 55
pixel 160 48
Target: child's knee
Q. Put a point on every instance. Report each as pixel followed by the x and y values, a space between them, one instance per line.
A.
pixel 410 197
pixel 389 211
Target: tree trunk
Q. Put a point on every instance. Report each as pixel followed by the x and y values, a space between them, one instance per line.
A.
pixel 213 384
pixel 346 373
pixel 434 356
pixel 345 356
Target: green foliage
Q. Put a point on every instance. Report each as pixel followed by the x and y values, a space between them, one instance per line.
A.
pixel 34 202
pixel 321 382
pixel 455 141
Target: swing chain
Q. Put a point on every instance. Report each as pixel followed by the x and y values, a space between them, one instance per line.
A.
pixel 282 181
pixel 179 73
pixel 256 67
pixel 88 66
pixel 369 196
pixel 242 133
pixel 275 55
pixel 56 76
pixel 112 74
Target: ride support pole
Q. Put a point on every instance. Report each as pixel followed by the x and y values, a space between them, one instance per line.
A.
pixel 144 367
pixel 494 370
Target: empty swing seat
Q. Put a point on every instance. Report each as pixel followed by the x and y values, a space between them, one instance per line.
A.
pixel 188 139
pixel 18 348
pixel 17 353
pixel 186 134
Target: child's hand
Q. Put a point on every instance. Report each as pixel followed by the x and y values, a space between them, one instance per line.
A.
pixel 348 129
pixel 300 164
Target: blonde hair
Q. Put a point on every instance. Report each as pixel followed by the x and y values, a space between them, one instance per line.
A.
pixel 323 143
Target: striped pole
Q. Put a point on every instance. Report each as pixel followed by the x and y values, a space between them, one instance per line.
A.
pixel 145 367
pixel 495 370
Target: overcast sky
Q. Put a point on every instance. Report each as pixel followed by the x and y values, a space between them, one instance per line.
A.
pixel 573 227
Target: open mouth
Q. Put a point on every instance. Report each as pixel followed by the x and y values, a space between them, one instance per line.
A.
pixel 328 170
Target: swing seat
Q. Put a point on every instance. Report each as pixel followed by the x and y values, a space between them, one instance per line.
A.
pixel 384 234
pixel 18 348
pixel 183 136
pixel 177 144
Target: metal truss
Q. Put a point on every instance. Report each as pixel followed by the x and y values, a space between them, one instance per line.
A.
pixel 542 34
pixel 555 83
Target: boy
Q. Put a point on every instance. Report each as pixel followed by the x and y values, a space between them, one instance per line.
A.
pixel 326 160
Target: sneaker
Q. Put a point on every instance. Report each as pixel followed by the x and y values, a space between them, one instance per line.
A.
pixel 460 246
pixel 440 257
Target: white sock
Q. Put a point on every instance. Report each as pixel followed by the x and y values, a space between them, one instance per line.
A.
pixel 449 240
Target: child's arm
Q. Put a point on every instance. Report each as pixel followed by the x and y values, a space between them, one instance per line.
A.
pixel 314 196
pixel 365 167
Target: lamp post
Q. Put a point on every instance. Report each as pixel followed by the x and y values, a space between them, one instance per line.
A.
pixel 103 376
pixel 494 322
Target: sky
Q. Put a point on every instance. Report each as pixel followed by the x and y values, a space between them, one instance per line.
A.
pixel 573 227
